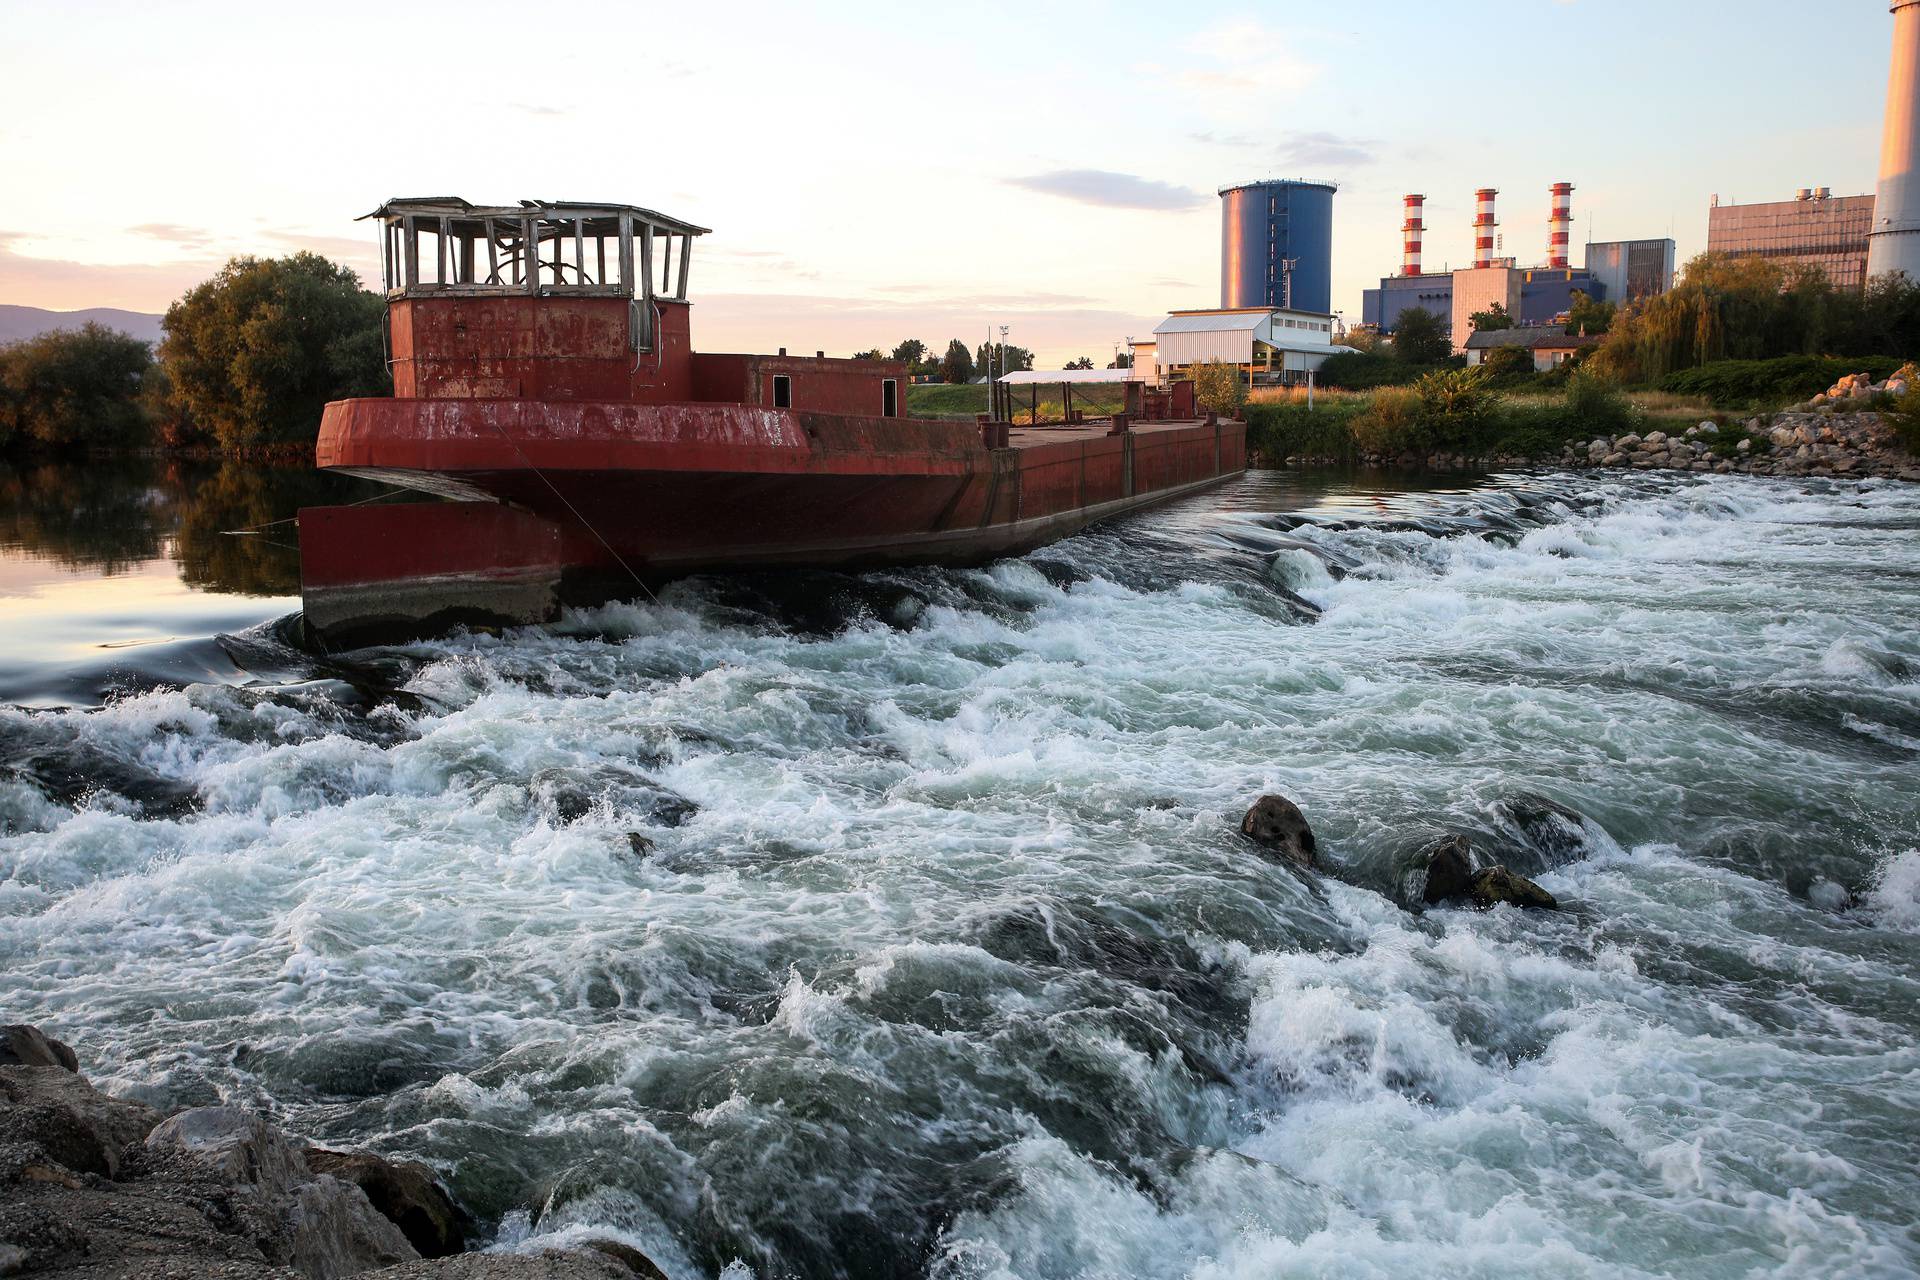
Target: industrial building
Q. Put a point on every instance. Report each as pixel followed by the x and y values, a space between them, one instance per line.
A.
pixel 1532 295
pixel 1550 345
pixel 1276 245
pixel 1269 345
pixel 1815 228
pixel 1629 270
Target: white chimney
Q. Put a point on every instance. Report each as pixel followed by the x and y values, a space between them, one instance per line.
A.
pixel 1895 243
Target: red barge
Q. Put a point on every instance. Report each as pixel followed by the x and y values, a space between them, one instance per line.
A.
pixel 544 379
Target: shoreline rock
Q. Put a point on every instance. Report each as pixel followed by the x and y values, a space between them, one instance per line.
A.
pixel 96 1187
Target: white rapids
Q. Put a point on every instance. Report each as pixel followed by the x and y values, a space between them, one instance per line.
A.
pixel 898 925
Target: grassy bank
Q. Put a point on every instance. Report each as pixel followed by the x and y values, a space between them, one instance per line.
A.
pixel 1457 414
pixel 941 400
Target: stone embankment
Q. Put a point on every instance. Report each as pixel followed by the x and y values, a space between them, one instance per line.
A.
pixel 96 1188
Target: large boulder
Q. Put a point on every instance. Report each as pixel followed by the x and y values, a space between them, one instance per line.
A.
pixel 74 1124
pixel 1276 824
pixel 234 1146
pixel 314 1223
pixel 25 1046
pixel 553 1264
pixel 405 1193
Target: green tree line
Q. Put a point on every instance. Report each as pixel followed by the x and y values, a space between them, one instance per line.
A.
pixel 247 360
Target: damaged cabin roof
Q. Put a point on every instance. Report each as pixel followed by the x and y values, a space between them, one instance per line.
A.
pixel 455 207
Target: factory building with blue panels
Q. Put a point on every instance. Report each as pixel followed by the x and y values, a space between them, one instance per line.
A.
pixel 1545 292
pixel 1274 235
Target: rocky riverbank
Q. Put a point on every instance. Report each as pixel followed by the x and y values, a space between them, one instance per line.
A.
pixel 1840 432
pixel 98 1188
pixel 1810 443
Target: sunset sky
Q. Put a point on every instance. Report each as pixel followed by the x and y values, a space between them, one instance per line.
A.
pixel 874 172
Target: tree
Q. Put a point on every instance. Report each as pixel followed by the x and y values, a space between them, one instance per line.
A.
pixel 1506 366
pixel 911 353
pixel 874 353
pixel 254 353
pixel 1420 338
pixel 1122 360
pixel 957 365
pixel 74 388
pixel 1217 387
pixel 1084 362
pixel 1006 359
pixel 1494 318
pixel 1585 316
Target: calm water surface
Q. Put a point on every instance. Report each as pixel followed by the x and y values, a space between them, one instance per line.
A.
pixel 895 924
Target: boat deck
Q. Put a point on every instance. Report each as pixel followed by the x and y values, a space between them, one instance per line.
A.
pixel 1028 437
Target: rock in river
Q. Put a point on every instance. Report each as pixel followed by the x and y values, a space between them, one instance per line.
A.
pixel 1449 869
pixel 1451 878
pixel 1497 884
pixel 1276 823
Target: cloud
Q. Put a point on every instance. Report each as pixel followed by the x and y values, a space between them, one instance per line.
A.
pixel 1326 150
pixel 1316 149
pixel 541 109
pixel 61 285
pixel 1110 190
pixel 356 252
pixel 172 233
pixel 1246 58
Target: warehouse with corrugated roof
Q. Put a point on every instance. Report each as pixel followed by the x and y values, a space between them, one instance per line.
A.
pixel 1270 346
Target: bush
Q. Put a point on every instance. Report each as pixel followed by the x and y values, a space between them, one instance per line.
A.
pixel 1393 423
pixel 1903 415
pixel 1365 370
pixel 1458 407
pixel 1288 429
pixel 1595 407
pixel 1217 388
pixel 1740 384
pixel 73 389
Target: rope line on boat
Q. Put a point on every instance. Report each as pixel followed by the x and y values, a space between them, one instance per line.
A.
pixel 256 528
pixel 584 522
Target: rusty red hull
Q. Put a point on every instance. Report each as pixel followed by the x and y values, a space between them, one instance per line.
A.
pixel 660 490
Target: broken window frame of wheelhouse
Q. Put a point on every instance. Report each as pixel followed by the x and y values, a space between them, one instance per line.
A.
pixel 442 247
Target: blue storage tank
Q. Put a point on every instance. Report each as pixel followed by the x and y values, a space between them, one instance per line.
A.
pixel 1264 223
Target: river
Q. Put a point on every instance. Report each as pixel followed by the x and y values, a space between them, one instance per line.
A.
pixel 898 925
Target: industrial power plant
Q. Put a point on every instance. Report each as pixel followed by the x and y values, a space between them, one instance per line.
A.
pixel 1615 271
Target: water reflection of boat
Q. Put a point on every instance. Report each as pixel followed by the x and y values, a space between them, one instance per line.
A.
pixel 544 378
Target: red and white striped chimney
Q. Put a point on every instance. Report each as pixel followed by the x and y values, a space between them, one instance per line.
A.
pixel 1412 230
pixel 1560 226
pixel 1483 225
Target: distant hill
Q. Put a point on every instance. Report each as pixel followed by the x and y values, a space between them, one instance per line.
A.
pixel 28 322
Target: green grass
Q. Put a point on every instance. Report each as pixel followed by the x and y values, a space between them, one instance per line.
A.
pixel 939 400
